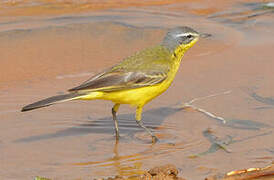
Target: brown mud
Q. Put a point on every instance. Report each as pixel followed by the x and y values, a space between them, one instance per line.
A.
pixel 47 48
pixel 170 172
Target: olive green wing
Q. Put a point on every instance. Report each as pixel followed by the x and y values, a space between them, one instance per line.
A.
pixel 116 81
pixel 140 70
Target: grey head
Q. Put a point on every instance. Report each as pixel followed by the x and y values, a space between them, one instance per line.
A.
pixel 180 36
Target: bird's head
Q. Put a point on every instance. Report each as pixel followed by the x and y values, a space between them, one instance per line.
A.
pixel 180 38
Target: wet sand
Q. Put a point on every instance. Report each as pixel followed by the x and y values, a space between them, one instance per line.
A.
pixel 45 53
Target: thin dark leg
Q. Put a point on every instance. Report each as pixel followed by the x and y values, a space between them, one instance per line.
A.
pixel 140 123
pixel 114 111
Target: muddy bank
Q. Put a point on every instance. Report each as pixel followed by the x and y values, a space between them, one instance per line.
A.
pixel 170 172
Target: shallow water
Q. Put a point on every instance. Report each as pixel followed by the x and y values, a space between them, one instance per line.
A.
pixel 45 51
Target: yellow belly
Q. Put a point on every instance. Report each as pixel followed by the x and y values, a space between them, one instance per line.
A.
pixel 138 96
pixel 134 97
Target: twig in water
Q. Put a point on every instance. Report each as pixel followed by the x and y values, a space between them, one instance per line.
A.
pixel 190 105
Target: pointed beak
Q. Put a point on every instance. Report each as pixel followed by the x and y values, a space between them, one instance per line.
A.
pixel 205 35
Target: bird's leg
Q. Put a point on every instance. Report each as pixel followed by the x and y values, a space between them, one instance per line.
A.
pixel 138 118
pixel 114 111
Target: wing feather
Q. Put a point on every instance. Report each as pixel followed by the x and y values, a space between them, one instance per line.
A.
pixel 146 68
pixel 116 81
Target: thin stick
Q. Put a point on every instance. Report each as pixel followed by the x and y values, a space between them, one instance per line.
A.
pixel 189 105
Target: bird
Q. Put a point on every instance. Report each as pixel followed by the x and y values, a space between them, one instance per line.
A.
pixel 136 80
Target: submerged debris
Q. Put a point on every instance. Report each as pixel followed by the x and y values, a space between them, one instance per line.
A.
pixel 265 100
pixel 217 143
pixel 170 172
pixel 220 143
pixel 166 172
pixel 266 173
pixel 230 122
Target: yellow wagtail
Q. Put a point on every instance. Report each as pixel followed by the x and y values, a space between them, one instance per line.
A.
pixel 136 80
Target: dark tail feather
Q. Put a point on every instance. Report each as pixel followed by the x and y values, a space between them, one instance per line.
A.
pixel 49 101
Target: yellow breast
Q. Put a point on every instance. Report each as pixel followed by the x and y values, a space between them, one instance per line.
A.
pixel 141 96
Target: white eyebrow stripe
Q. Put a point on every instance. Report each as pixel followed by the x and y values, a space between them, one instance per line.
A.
pixel 184 34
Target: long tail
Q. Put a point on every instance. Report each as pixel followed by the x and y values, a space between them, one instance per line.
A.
pixel 52 100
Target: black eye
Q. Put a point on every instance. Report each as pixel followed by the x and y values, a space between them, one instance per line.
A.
pixel 189 36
